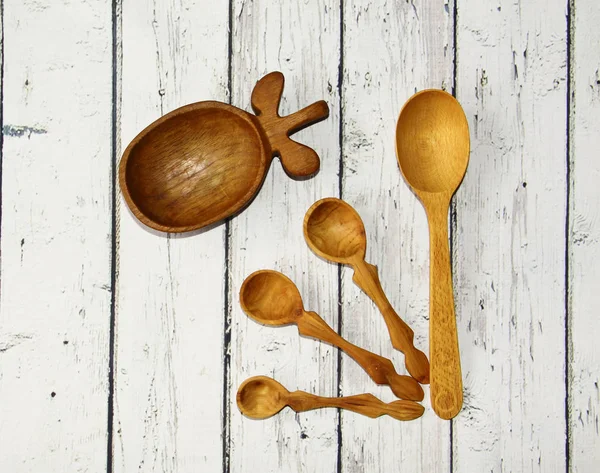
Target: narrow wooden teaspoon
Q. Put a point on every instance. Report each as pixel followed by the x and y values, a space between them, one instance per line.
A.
pixel 261 397
pixel 432 147
pixel 271 298
pixel 335 231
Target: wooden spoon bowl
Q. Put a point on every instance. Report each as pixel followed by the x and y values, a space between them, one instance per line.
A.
pixel 261 397
pixel 433 143
pixel 206 161
pixel 270 298
pixel 335 231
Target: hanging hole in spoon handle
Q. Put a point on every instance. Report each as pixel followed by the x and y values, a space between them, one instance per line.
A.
pixel 298 160
pixel 446 377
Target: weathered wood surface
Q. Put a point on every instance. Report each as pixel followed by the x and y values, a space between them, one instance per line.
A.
pixel 169 327
pixel 55 235
pixel 291 37
pixel 383 47
pixel 79 78
pixel 584 240
pixel 509 238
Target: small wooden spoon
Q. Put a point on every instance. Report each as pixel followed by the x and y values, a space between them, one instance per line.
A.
pixel 271 298
pixel 261 397
pixel 432 146
pixel 335 231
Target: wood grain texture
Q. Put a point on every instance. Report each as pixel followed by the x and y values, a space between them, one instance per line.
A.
pixel 202 163
pixel 56 236
pixel 584 240
pixel 169 328
pixel 298 160
pixel 302 41
pixel 509 240
pixel 432 147
pixel 391 50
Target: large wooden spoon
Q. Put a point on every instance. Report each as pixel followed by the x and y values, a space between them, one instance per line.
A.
pixel 335 231
pixel 261 397
pixel 432 146
pixel 271 298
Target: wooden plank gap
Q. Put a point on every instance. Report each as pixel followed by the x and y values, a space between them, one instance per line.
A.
pixel 227 297
pixel 453 216
pixel 1 111
pixel 115 150
pixel 227 342
pixel 454 46
pixel 340 88
pixel 227 347
pixel 568 248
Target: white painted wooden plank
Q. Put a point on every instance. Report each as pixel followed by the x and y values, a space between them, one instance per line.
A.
pixel 584 240
pixel 170 312
pixel 390 52
pixel 509 250
pixel 56 236
pixel 301 40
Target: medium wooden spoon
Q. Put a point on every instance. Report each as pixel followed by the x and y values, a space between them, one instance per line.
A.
pixel 335 231
pixel 271 298
pixel 261 397
pixel 432 146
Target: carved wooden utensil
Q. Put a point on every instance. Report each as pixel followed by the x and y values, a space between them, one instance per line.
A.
pixel 432 147
pixel 261 397
pixel 335 231
pixel 271 298
pixel 206 161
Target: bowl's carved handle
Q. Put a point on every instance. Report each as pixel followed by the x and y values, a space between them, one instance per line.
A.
pixel 298 160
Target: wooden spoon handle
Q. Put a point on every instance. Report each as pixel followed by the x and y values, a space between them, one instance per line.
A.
pixel 401 335
pixel 446 378
pixel 298 160
pixel 380 369
pixel 365 404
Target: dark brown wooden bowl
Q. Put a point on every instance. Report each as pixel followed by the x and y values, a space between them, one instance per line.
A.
pixel 206 161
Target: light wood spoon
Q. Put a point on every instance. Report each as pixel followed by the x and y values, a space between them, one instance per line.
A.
pixel 432 147
pixel 335 231
pixel 261 397
pixel 271 298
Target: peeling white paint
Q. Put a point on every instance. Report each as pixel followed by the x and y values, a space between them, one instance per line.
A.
pixel 182 343
pixel 54 396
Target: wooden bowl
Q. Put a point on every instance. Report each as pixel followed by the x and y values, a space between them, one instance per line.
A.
pixel 206 161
